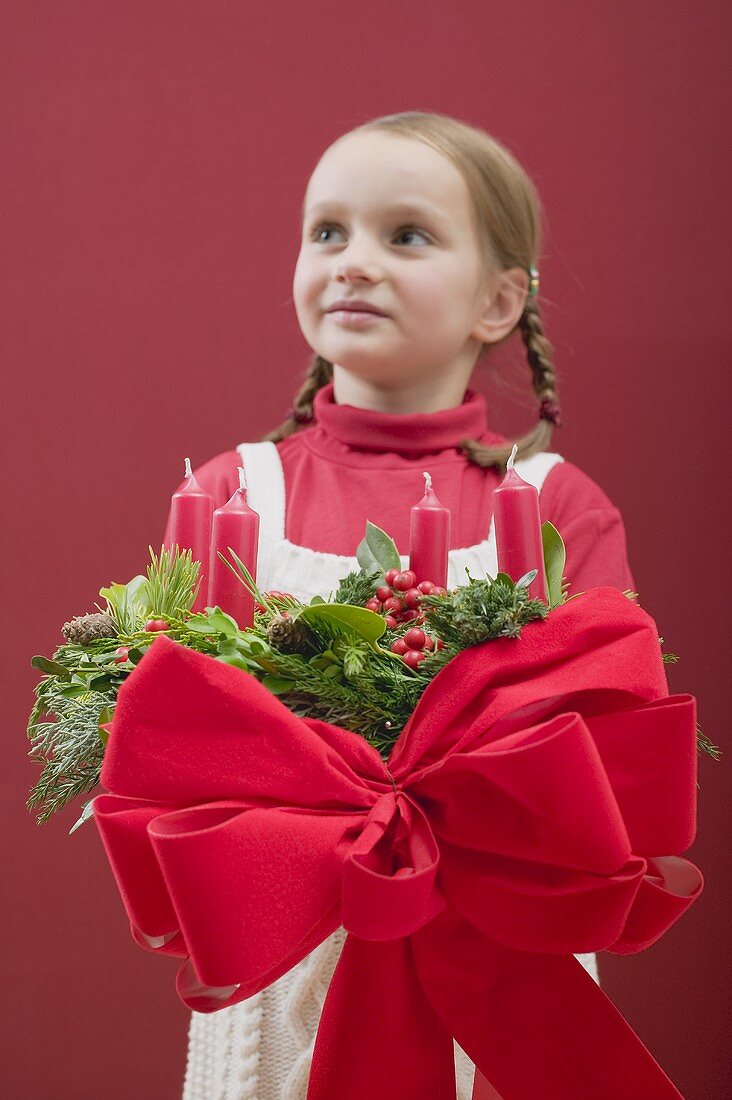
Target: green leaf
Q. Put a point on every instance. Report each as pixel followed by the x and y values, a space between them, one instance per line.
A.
pixel 51 668
pixel 74 690
pixel 504 579
pixel 127 601
pixel 213 621
pixel 555 557
pixel 316 600
pixel 357 620
pixel 527 578
pixel 236 661
pixel 101 682
pixel 106 715
pixel 377 551
pixel 278 685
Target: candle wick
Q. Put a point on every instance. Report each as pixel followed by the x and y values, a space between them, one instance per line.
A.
pixel 509 463
pixel 242 478
pixel 427 481
pixel 189 471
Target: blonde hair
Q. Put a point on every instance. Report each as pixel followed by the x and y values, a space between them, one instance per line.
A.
pixel 508 215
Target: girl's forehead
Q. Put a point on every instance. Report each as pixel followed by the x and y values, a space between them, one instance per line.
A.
pixel 374 170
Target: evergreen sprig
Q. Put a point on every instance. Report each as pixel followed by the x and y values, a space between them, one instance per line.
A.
pixel 66 742
pixel 357 587
pixel 481 610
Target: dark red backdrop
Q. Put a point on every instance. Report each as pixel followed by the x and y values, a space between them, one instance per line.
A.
pixel 154 160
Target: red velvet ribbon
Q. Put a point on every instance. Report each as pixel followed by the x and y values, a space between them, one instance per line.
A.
pixel 524 816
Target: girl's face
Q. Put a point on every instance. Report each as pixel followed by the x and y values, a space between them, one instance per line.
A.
pixel 389 221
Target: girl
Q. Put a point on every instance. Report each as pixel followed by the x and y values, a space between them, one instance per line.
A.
pixel 419 238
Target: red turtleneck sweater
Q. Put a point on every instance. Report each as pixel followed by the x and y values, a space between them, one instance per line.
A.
pixel 353 464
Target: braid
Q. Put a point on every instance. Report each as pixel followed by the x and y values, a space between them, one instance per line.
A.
pixel 543 380
pixel 320 373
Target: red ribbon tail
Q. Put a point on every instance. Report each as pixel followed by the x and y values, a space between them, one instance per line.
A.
pixel 378 1035
pixel 534 1024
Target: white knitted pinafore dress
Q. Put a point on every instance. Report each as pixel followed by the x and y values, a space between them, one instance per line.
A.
pixel 261 1048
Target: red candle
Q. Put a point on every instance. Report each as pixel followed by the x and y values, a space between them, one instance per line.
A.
pixel 235 527
pixel 429 537
pixel 518 529
pixel 190 526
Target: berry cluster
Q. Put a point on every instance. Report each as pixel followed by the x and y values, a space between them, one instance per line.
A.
pixel 399 600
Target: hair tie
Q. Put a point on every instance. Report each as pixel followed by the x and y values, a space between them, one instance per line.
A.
pixel 549 410
pixel 533 281
pixel 299 416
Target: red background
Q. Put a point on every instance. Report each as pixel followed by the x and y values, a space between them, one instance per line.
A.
pixel 155 156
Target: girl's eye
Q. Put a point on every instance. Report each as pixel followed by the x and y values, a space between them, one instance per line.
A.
pixel 410 232
pixel 318 230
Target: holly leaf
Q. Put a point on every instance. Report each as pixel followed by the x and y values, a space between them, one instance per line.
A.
pixel 377 551
pixel 555 556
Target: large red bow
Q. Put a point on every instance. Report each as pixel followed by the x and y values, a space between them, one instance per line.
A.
pixel 519 821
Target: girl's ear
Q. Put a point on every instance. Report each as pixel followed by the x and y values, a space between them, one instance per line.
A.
pixel 503 303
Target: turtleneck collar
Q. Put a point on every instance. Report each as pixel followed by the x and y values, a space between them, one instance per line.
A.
pixel 412 434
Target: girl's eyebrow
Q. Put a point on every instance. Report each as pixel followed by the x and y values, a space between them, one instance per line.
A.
pixel 412 209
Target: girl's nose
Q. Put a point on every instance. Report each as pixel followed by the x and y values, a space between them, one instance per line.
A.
pixel 357 267
pixel 357 261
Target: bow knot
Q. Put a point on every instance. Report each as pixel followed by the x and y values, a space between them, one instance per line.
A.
pixel 389 875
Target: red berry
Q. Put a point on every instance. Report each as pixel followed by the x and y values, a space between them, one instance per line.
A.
pixel 390 575
pixel 415 638
pixel 373 604
pixel 392 604
pixel 429 643
pixel 391 622
pixel 412 597
pixel 439 591
pixel 410 616
pixel 384 592
pixel 399 646
pixel 155 625
pixel 413 657
pixel 405 580
pixel 120 654
pixel 427 588
pixel 440 644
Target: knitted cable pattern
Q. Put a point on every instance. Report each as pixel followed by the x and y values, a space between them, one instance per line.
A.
pixel 244 1083
pixel 303 1007
pixel 224 1053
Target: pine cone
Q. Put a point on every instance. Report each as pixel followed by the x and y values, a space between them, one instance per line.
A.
pixel 85 629
pixel 287 634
